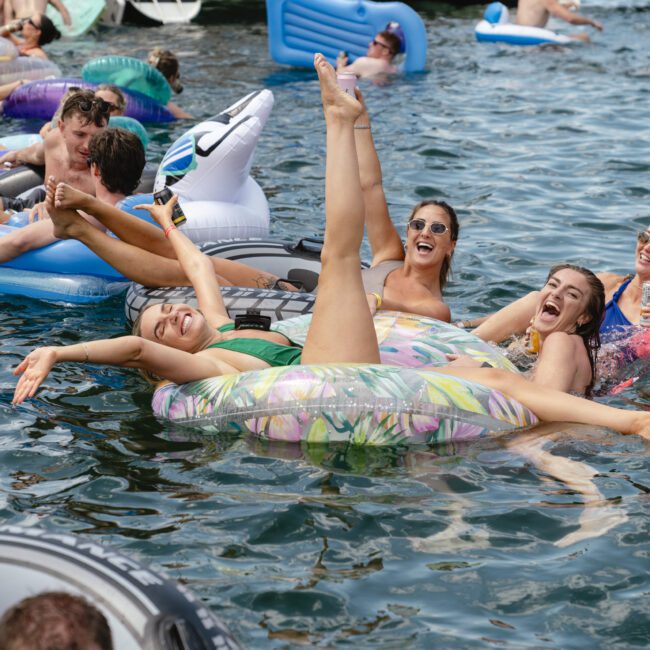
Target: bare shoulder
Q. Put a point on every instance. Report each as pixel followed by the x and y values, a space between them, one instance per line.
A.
pixel 610 280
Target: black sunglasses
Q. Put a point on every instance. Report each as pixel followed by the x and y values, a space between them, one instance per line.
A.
pixel 436 227
pixel 643 237
pixel 103 107
pixel 376 42
pixel 32 23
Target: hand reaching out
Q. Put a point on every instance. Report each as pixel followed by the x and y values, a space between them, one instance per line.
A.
pixel 34 368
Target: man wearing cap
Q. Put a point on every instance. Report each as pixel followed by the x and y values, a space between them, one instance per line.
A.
pixel 535 13
pixel 378 60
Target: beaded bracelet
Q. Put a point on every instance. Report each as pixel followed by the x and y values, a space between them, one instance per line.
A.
pixel 169 229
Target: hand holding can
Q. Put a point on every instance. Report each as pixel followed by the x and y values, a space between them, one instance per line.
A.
pixel 645 305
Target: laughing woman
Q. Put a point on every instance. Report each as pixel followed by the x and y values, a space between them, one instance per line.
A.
pixel 181 344
pixel 561 328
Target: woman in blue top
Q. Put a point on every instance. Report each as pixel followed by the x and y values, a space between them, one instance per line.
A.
pixel 177 342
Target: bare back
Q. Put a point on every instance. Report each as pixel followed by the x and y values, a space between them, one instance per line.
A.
pixel 532 13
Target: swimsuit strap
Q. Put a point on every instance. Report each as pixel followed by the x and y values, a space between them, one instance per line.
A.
pixel 626 280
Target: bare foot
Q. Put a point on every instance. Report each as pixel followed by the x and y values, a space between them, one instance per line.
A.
pixel 68 224
pixel 337 105
pixel 67 196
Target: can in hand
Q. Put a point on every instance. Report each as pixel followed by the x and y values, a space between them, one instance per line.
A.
pixel 162 197
pixel 645 303
pixel 347 81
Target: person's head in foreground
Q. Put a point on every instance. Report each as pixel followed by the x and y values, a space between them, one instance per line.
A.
pixel 40 29
pixel 113 96
pixel 54 621
pixel 82 115
pixel 117 157
pixel 432 232
pixel 167 63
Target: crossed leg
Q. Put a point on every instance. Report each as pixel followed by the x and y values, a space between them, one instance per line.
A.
pixel 142 253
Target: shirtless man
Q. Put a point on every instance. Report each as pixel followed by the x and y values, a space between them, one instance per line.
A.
pixel 535 13
pixel 18 9
pixel 64 152
pixel 378 60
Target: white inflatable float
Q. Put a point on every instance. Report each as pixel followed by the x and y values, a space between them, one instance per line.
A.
pixel 497 28
pixel 208 167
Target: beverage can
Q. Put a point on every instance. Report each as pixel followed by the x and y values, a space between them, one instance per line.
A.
pixel 645 303
pixel 347 81
pixel 161 197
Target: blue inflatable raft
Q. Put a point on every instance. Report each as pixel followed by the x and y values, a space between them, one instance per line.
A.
pixel 299 28
pixel 497 28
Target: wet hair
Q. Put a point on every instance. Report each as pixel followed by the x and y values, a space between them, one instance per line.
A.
pixel 393 41
pixel 136 330
pixel 71 90
pixel 454 228
pixel 54 620
pixel 589 332
pixel 48 30
pixel 87 106
pixel 117 91
pixel 167 63
pixel 119 155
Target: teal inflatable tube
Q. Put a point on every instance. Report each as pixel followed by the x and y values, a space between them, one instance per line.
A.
pixel 299 28
pixel 130 73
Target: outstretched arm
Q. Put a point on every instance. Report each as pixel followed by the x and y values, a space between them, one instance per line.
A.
pixel 385 242
pixel 197 266
pixel 127 352
pixel 33 155
pixel 559 11
pixel 512 319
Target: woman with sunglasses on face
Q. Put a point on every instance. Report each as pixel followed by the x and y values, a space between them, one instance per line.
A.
pixel 411 278
pixel 182 344
pixel 36 31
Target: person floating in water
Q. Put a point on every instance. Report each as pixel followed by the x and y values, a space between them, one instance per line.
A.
pixel 382 49
pixel 535 13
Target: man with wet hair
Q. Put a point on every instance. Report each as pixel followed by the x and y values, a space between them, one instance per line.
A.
pixel 63 152
pixel 54 620
pixel 378 60
pixel 114 162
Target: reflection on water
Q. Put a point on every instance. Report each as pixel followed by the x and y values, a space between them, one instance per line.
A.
pixel 529 541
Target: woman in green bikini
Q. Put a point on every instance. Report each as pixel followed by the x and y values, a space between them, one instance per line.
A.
pixel 180 344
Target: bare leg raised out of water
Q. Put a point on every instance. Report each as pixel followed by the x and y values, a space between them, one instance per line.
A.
pixel 142 253
pixel 342 329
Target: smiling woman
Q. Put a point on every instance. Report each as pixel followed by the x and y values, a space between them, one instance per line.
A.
pixel 561 323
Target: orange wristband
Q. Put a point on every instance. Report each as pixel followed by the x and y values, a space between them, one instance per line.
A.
pixel 169 229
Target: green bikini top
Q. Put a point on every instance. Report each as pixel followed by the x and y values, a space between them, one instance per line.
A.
pixel 275 354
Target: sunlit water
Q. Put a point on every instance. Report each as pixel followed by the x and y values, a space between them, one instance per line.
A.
pixel 545 155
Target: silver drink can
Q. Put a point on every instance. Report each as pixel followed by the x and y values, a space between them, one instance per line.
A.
pixel 645 303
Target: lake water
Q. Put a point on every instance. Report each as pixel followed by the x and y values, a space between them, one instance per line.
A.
pixel 545 154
